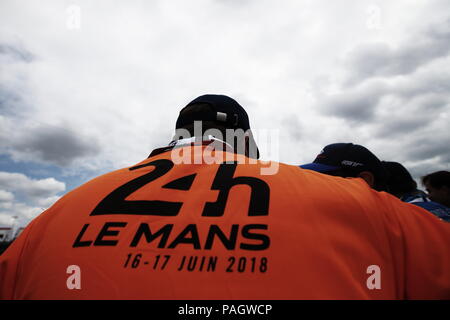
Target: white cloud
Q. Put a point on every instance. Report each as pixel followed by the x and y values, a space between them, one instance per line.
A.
pixel 32 188
pixel 379 59
pixel 5 196
pixel 5 219
pixel 26 198
pixel 111 78
pixel 396 101
pixel 23 211
pixel 47 202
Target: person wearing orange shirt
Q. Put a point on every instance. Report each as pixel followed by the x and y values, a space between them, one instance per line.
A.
pixel 198 219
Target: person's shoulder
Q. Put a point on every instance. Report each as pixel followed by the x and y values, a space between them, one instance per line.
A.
pixel 326 186
pixel 435 208
pixel 105 180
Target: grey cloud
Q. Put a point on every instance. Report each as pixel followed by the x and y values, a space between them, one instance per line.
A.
pixel 11 101
pixel 26 197
pixel 6 196
pixel 368 60
pixel 400 97
pixel 409 116
pixel 419 154
pixel 428 147
pixel 356 105
pixel 18 182
pixel 422 95
pixel 425 82
pixel 293 127
pixel 16 53
pixel 419 170
pixel 55 145
pixel 405 115
pixel 60 146
pixel 44 189
pixel 23 211
pixel 14 85
pixel 379 59
pixel 395 127
pixel 433 103
pixel 7 99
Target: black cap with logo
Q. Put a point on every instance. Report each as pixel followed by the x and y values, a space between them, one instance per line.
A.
pixel 224 111
pixel 350 158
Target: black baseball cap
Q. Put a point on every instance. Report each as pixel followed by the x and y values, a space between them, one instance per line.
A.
pixel 224 111
pixel 349 157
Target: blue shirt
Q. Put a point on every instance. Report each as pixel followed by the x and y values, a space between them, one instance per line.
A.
pixel 422 201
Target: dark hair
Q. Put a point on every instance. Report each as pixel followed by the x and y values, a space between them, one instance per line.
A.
pixel 399 180
pixel 437 179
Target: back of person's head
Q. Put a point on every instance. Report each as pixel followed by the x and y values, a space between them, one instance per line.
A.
pixel 438 186
pixel 221 117
pixel 400 181
pixel 350 160
pixel 437 179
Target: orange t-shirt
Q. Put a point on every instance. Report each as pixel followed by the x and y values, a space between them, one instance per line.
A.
pixel 161 230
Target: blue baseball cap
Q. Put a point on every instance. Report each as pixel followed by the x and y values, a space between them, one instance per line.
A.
pixel 349 157
pixel 319 167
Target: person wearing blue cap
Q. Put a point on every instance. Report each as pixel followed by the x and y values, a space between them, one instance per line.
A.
pixel 350 160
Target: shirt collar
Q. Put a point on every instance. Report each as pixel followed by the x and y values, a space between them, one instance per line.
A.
pixel 212 141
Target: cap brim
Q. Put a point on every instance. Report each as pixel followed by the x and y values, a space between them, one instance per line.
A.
pixel 318 167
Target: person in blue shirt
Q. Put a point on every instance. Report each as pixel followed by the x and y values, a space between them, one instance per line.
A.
pixel 353 160
pixel 402 185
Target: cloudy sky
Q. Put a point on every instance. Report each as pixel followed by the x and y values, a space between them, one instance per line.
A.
pixel 91 86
